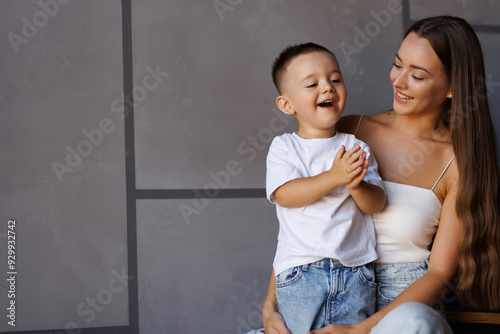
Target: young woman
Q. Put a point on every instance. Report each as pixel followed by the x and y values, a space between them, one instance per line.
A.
pixel 437 156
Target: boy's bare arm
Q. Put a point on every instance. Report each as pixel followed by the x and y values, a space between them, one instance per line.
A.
pixel 347 166
pixel 369 198
pixel 300 192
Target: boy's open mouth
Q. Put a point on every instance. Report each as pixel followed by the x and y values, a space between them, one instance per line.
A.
pixel 326 104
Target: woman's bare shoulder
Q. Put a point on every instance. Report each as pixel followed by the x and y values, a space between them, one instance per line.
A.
pixel 449 182
pixel 350 123
pixel 382 118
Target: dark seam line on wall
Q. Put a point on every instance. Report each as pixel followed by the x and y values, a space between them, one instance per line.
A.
pixel 128 84
pixel 406 15
pixel 486 29
pixel 199 193
pixel 479 28
pixel 133 297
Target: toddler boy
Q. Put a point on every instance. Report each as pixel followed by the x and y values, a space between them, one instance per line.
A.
pixel 325 185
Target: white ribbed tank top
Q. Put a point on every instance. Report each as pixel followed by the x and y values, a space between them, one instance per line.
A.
pixel 405 227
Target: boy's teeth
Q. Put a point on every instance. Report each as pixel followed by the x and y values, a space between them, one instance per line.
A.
pixel 326 102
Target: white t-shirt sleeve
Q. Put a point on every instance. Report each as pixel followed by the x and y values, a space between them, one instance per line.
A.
pixel 279 168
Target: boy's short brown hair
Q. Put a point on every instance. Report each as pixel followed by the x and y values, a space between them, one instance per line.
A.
pixel 287 55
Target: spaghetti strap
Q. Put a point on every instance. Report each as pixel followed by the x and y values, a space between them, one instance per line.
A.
pixel 440 176
pixel 359 122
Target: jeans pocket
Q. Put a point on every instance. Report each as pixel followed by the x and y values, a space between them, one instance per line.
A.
pixel 288 277
pixel 366 274
pixel 388 292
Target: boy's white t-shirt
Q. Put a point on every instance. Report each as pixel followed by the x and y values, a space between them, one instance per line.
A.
pixel 330 227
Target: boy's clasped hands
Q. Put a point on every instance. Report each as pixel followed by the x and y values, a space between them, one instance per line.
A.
pixel 349 167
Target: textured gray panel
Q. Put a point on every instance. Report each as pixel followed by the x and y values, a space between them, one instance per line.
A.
pixel 61 70
pixel 202 89
pixel 218 93
pixel 208 273
pixel 483 12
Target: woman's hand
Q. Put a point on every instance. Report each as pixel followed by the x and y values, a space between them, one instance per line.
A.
pixel 275 324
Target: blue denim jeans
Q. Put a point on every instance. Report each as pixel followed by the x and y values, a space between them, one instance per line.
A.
pixel 407 318
pixel 412 318
pixel 393 278
pixel 324 292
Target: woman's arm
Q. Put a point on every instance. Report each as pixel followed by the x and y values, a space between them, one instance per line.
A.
pixel 435 284
pixel 273 321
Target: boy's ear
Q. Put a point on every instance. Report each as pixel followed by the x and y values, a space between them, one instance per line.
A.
pixel 284 105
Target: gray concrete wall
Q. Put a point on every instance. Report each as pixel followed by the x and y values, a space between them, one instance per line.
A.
pixel 156 223
pixel 62 166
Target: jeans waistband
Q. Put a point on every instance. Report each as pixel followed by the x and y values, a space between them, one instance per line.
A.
pixel 405 271
pixel 323 263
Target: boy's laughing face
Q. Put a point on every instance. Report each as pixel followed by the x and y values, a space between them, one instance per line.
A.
pixel 314 93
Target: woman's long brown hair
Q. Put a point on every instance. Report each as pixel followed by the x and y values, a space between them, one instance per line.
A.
pixel 474 143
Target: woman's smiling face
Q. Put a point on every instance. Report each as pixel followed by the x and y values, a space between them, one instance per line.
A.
pixel 418 78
